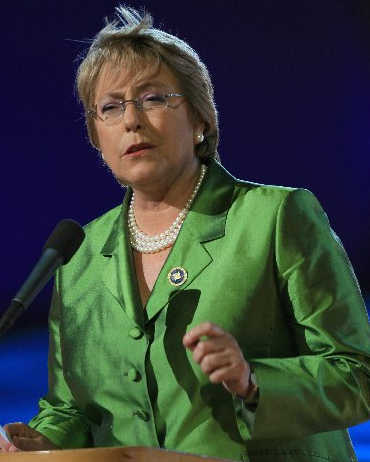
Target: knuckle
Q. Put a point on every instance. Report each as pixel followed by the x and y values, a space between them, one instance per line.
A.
pixel 215 377
pixel 196 356
pixel 230 353
pixel 210 360
pixel 202 348
pixel 205 369
pixel 236 367
pixel 206 366
pixel 210 364
pixel 244 365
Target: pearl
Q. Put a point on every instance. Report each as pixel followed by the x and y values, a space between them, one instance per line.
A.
pixel 151 244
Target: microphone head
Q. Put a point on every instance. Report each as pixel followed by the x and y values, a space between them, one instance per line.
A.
pixel 66 239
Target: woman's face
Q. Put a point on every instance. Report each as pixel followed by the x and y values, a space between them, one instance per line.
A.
pixel 170 132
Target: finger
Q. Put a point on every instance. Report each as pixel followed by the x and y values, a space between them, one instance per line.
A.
pixel 16 428
pixel 4 445
pixel 19 442
pixel 27 444
pixel 205 329
pixel 204 348
pixel 212 362
pixel 39 443
pixel 7 447
pixel 13 449
pixel 234 374
pixel 222 374
pixel 21 430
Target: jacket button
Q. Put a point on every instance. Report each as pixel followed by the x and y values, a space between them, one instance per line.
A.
pixel 135 333
pixel 142 415
pixel 133 375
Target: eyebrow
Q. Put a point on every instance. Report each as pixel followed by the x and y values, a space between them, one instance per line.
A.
pixel 143 86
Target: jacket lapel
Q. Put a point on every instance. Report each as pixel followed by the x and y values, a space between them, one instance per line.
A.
pixel 119 271
pixel 205 222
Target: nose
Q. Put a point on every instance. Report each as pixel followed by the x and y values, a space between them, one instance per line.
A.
pixel 132 117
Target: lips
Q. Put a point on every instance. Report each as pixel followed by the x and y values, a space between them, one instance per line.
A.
pixel 138 147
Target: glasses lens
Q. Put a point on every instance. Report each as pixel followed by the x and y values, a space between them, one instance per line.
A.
pixel 110 113
pixel 153 101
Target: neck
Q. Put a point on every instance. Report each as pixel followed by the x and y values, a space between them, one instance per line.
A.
pixel 156 211
pixel 169 192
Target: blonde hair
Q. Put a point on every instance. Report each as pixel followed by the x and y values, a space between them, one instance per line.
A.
pixel 131 40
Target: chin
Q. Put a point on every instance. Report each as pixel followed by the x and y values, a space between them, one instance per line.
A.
pixel 140 179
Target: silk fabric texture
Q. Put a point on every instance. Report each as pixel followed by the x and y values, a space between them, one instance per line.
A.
pixel 262 263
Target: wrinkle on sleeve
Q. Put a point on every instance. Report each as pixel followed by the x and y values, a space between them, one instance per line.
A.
pixel 59 417
pixel 326 386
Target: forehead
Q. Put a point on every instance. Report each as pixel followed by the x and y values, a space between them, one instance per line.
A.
pixel 121 79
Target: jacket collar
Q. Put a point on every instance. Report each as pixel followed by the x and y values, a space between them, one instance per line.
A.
pixel 205 222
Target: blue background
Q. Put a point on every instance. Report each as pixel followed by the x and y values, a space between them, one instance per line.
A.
pixel 292 85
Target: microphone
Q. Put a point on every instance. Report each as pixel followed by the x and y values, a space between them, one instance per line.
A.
pixel 62 244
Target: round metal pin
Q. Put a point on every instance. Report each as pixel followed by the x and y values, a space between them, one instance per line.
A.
pixel 177 276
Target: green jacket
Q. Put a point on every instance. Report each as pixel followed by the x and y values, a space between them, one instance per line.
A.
pixel 263 263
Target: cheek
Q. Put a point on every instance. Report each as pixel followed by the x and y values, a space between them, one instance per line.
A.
pixel 180 131
pixel 108 139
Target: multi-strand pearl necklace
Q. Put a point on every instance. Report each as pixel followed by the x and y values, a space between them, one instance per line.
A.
pixel 151 244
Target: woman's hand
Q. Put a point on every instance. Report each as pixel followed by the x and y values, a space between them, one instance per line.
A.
pixel 220 357
pixel 5 444
pixel 25 438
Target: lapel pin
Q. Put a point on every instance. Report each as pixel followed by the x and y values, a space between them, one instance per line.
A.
pixel 177 276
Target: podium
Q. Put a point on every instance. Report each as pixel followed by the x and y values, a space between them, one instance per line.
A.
pixel 120 454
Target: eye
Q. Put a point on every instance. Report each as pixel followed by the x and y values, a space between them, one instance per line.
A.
pixel 154 97
pixel 109 107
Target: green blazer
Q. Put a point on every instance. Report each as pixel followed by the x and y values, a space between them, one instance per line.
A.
pixel 261 262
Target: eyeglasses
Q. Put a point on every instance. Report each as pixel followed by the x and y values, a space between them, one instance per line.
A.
pixel 111 113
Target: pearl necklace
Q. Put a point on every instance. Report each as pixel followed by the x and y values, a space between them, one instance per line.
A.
pixel 151 244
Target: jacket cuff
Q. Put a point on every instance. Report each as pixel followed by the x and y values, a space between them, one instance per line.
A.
pixel 245 410
pixel 66 432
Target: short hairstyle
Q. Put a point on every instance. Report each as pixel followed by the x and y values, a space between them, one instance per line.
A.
pixel 131 40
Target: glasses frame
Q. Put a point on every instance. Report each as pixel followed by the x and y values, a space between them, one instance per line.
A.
pixel 138 102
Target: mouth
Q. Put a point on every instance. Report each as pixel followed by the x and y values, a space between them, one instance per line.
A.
pixel 138 148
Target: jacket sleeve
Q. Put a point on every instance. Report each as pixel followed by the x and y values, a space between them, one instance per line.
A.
pixel 59 418
pixel 326 385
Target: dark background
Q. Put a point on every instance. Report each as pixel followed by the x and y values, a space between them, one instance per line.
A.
pixel 292 84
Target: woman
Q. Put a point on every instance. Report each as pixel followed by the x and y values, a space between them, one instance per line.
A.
pixel 206 314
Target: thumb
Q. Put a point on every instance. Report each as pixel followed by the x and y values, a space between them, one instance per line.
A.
pixel 12 448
